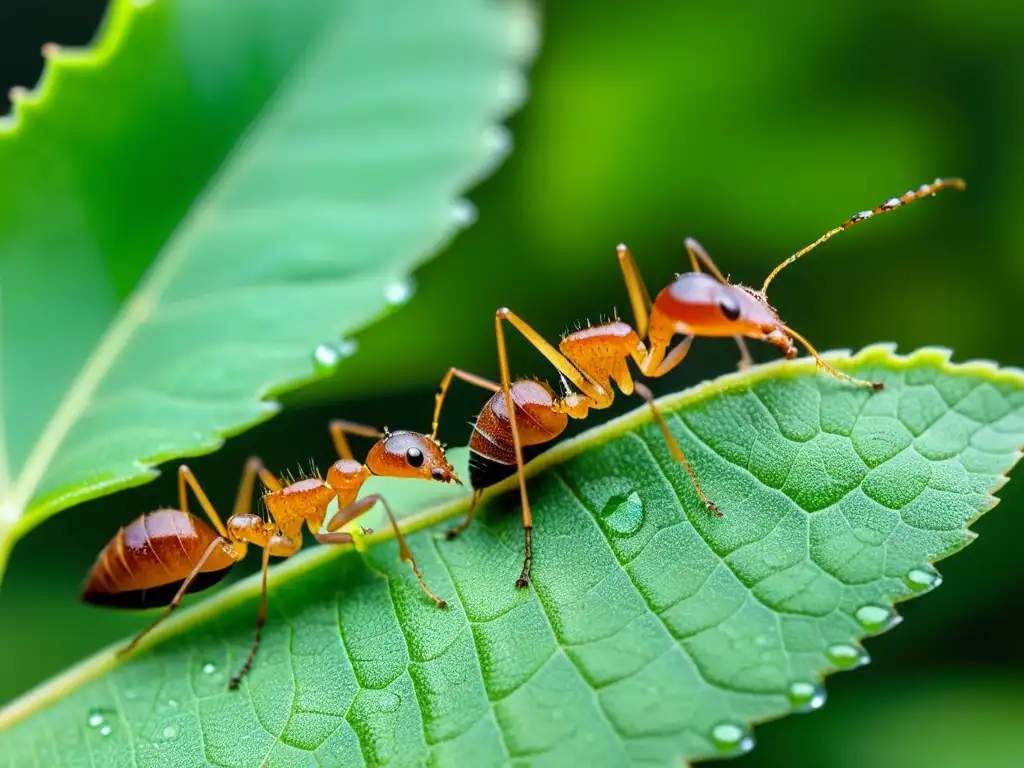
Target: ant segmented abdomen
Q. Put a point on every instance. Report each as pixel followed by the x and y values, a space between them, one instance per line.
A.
pixel 148 560
pixel 492 455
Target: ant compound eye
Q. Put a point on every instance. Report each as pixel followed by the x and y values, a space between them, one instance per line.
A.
pixel 729 307
pixel 414 456
pixel 437 473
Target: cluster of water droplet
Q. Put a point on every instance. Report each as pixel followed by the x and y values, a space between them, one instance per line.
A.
pixel 327 356
pixel 100 721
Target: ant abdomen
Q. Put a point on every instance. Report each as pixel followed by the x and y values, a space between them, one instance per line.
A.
pixel 145 564
pixel 492 454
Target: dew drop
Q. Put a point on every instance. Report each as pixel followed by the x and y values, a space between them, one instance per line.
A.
pixel 512 89
pixel 170 732
pixel 498 139
pixel 921 580
pixel 846 656
pixel 96 718
pixel 106 730
pixel 874 618
pixel 327 356
pixel 730 737
pixel 464 213
pixel 209 668
pixel 806 697
pixel 623 514
pixel 399 291
pixel 172 703
pixel 389 702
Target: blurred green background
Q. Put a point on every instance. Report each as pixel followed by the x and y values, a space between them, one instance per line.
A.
pixel 754 128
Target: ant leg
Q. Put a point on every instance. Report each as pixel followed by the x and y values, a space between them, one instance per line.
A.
pixel 925 190
pixel 673 446
pixel 560 362
pixel 269 480
pixel 564 366
pixel 696 251
pixel 451 533
pixel 185 476
pixel 469 378
pixel 506 386
pixel 260 621
pixel 182 590
pixel 875 385
pixel 675 356
pixel 746 359
pixel 243 499
pixel 340 428
pixel 361 507
pixel 639 298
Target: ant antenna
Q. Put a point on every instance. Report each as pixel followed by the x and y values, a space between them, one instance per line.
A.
pixel 925 190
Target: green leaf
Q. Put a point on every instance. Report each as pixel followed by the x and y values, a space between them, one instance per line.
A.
pixel 652 630
pixel 275 169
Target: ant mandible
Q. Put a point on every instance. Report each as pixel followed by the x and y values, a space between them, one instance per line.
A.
pixel 527 413
pixel 161 556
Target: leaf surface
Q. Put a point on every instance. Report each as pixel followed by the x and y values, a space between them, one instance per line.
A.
pixel 192 205
pixel 652 631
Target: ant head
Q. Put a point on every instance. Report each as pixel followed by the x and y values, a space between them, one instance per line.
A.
pixel 697 303
pixel 410 454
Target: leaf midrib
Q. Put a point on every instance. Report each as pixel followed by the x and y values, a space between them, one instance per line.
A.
pixel 15 496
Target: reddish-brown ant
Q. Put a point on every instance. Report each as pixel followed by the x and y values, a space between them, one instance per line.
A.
pixel 595 358
pixel 161 556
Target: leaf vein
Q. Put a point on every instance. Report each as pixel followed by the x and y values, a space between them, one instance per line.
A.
pixel 477 653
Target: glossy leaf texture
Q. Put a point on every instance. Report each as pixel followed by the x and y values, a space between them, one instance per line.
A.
pixel 652 631
pixel 194 204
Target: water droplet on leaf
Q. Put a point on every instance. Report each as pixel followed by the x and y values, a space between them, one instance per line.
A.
pixel 806 697
pixel 464 213
pixel 399 291
pixel 389 702
pixel 730 737
pixel 921 580
pixel 874 618
pixel 623 515
pixel 172 703
pixel 498 139
pixel 846 656
pixel 512 89
pixel 170 732
pixel 96 718
pixel 209 668
pixel 327 356
pixel 106 730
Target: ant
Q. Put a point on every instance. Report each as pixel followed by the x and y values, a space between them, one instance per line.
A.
pixel 163 555
pixel 527 413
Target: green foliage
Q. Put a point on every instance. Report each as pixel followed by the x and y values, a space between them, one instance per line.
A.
pixel 652 629
pixel 195 203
